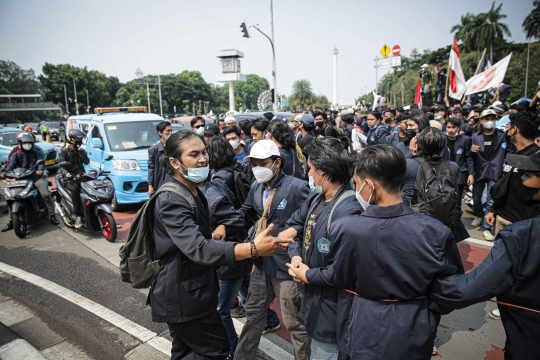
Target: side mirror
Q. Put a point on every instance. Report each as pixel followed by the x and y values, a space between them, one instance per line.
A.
pixel 109 158
pixel 40 162
pixel 64 163
pixel 97 143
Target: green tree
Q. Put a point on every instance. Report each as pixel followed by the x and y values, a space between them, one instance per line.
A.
pixel 492 31
pixel 16 80
pixel 302 93
pixel 531 24
pixel 321 101
pixel 250 90
pixel 468 31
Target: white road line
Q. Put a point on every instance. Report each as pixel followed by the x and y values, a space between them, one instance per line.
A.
pixel 482 243
pixel 136 330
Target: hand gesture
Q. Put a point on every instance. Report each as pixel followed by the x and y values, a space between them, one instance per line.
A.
pixel 298 274
pixel 470 180
pixel 475 148
pixel 266 244
pixel 219 233
pixel 490 218
pixel 413 146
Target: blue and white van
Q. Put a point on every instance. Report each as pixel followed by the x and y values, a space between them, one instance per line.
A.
pixel 126 134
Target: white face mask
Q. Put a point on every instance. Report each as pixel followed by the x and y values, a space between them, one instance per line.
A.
pixel 263 174
pixel 235 144
pixel 365 204
pixel 27 146
pixel 166 137
pixel 489 125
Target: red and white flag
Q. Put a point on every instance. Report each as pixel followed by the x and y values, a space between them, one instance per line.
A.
pixel 456 86
pixel 418 94
pixel 491 78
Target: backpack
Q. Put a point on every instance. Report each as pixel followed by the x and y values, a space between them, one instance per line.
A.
pixel 242 183
pixel 138 265
pixel 435 192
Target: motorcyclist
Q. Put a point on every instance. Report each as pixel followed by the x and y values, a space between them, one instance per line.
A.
pixel 26 157
pixel 77 158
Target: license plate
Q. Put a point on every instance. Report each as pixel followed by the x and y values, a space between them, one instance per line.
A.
pixel 98 183
pixel 17 183
pixel 49 162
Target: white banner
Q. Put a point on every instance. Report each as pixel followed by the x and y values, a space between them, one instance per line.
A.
pixel 490 78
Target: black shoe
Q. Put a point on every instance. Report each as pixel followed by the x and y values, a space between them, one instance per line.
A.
pixel 9 226
pixel 235 304
pixel 269 328
pixel 78 223
pixel 239 312
pixel 53 220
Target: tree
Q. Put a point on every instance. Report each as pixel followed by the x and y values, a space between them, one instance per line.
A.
pixel 414 53
pixel 468 31
pixel 321 101
pixel 531 24
pixel 302 93
pixel 250 90
pixel 16 80
pixel 492 31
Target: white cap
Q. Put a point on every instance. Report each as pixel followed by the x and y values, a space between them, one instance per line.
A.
pixel 263 149
pixel 425 65
pixel 350 111
pixel 227 118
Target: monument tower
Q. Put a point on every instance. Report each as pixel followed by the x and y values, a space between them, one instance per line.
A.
pixel 335 82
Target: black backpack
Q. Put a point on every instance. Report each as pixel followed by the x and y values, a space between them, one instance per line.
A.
pixel 138 265
pixel 435 192
pixel 242 182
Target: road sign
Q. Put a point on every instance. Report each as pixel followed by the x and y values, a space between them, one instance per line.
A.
pixel 385 63
pixel 285 102
pixel 385 51
pixel 396 61
pixel 396 50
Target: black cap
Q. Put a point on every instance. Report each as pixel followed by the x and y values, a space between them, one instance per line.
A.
pixel 211 129
pixel 522 162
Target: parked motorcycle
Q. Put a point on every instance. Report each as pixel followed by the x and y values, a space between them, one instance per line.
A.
pixel 96 197
pixel 27 205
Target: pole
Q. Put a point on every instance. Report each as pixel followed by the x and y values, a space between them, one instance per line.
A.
pixel 274 80
pixel 87 102
pixel 402 97
pixel 65 98
pixel 148 95
pixel 335 52
pixel 376 75
pixel 231 96
pixel 476 71
pixel 160 102
pixel 527 71
pixel 75 90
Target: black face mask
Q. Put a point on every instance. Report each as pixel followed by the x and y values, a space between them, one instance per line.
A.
pixel 508 137
pixel 320 124
pixel 524 195
pixel 411 133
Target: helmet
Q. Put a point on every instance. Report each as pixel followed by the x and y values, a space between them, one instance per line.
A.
pixel 26 138
pixel 74 135
pixel 28 128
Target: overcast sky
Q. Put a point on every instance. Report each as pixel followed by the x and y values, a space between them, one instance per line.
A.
pixel 160 36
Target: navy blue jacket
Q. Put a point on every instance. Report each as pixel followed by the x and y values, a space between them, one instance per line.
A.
pixel 291 166
pixel 392 139
pixel 322 300
pixel 26 159
pixel 464 159
pixel 489 169
pixel 510 272
pixel 377 255
pixel 377 135
pixel 156 173
pixel 289 196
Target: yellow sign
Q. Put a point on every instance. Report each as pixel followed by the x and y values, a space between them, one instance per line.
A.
pixel 385 51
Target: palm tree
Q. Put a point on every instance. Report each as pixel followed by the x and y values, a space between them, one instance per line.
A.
pixel 321 101
pixel 302 94
pixel 492 31
pixel 468 30
pixel 531 24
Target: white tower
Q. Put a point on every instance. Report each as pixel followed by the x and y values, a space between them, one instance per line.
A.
pixel 335 82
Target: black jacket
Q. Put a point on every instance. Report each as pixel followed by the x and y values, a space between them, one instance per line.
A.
pixel 377 135
pixel 187 287
pixel 291 164
pixel 76 158
pixel 464 159
pixel 156 173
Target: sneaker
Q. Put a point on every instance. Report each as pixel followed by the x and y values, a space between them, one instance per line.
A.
pixel 9 226
pixel 235 304
pixel 488 236
pixel 239 312
pixel 477 222
pixel 53 220
pixel 435 351
pixel 230 357
pixel 269 328
pixel 495 314
pixel 78 223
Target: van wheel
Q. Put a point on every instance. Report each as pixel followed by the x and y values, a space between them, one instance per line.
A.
pixel 114 204
pixel 19 225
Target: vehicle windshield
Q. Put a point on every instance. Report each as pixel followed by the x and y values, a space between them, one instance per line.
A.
pixel 126 136
pixel 51 124
pixel 9 138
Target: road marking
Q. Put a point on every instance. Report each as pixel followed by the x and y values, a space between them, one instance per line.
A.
pixel 477 242
pixel 136 330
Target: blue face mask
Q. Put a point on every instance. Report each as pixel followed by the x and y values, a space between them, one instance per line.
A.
pixel 196 175
pixel 312 187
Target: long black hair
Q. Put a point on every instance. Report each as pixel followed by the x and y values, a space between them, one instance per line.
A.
pixel 173 148
pixel 220 153
pixel 282 133
pixel 331 155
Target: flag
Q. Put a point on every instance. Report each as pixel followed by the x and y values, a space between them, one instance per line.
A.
pixel 484 64
pixel 418 94
pixel 490 78
pixel 456 86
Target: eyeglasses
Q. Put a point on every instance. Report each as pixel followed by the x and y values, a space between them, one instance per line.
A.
pixel 198 126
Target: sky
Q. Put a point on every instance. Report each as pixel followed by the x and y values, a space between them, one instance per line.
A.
pixel 162 37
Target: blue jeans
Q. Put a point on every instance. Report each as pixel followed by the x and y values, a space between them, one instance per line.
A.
pixel 323 351
pixel 480 210
pixel 272 318
pixel 228 290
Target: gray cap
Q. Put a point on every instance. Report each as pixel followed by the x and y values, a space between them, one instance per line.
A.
pixel 307 119
pixel 523 162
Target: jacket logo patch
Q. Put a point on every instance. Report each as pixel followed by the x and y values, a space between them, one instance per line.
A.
pixel 282 204
pixel 503 145
pixel 323 245
pixel 459 151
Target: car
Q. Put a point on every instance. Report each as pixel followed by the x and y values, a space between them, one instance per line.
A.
pixel 8 140
pixel 180 126
pixel 126 134
pixel 187 120
pixel 258 115
pixel 57 130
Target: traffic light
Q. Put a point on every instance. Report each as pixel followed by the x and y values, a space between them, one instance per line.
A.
pixel 244 30
pixel 272 95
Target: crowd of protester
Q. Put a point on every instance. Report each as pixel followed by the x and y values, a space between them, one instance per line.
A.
pixel 356 242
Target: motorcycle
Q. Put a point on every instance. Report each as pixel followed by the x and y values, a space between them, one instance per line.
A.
pixel 96 198
pixel 27 205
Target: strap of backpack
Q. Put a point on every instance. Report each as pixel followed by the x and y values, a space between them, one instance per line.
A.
pixel 421 161
pixel 342 197
pixel 293 163
pixel 182 191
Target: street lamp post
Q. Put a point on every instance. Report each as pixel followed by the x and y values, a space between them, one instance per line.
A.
pixel 150 81
pixel 87 102
pixel 74 88
pixel 65 96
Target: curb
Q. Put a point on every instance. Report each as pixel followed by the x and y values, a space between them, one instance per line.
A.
pixel 12 347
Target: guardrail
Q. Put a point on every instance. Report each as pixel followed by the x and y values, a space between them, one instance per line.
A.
pixel 29 106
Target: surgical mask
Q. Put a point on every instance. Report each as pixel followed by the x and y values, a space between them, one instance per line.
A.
pixel 200 131
pixel 312 187
pixel 263 174
pixel 27 146
pixel 452 136
pixel 365 204
pixel 489 125
pixel 235 144
pixel 166 137
pixel 196 175
pixel 267 136
pixel 438 118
